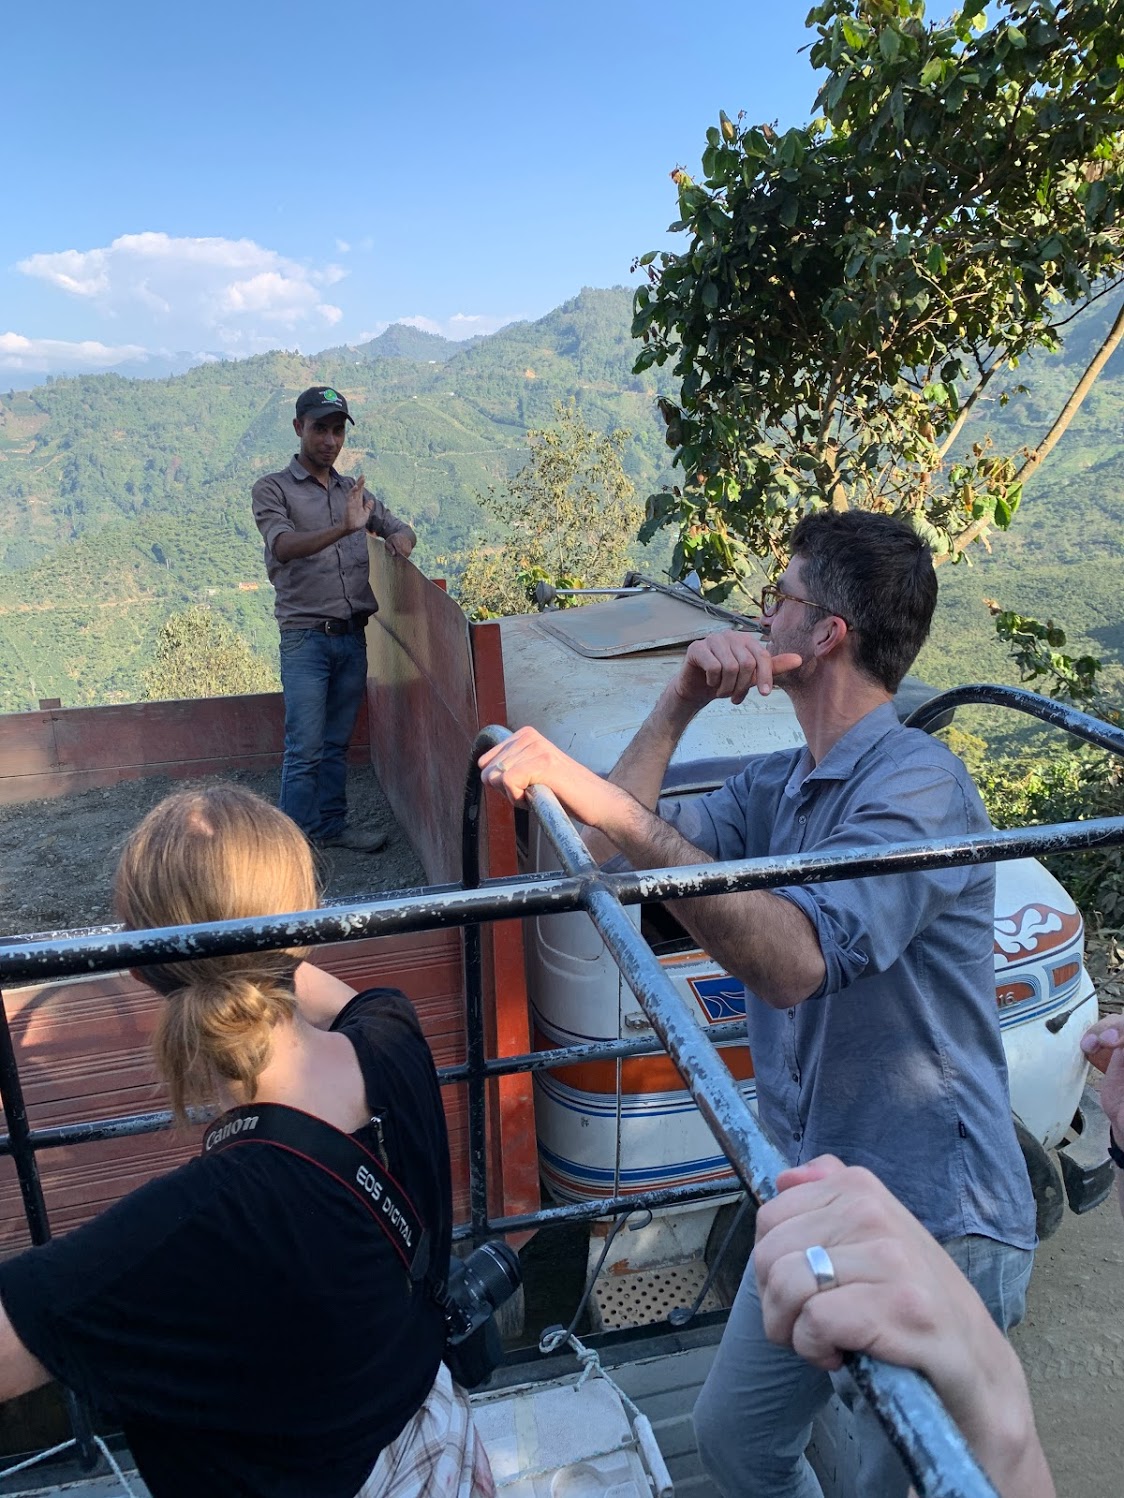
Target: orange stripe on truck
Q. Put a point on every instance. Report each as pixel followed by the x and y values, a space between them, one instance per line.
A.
pixel 640 1074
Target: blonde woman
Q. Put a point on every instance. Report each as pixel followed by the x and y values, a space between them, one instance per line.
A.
pixel 244 1317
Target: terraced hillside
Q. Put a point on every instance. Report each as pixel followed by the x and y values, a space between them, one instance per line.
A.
pixel 124 500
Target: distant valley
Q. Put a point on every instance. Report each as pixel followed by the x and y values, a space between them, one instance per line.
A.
pixel 123 500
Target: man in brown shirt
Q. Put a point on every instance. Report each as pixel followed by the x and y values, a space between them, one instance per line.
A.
pixel 314 523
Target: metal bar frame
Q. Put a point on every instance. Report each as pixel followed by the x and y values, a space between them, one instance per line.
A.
pixel 915 1421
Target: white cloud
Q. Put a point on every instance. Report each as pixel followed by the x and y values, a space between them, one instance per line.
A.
pixel 185 291
pixel 460 326
pixel 158 292
pixel 269 292
pixel 82 273
pixel 50 355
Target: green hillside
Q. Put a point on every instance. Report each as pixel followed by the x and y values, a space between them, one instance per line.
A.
pixel 124 500
pixel 1064 555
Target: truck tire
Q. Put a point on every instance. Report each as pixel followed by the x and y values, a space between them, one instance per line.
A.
pixel 734 1260
pixel 1045 1182
pixel 511 1316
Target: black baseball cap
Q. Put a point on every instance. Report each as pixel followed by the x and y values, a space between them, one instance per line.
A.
pixel 322 400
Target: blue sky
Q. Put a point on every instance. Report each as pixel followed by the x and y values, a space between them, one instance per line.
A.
pixel 228 178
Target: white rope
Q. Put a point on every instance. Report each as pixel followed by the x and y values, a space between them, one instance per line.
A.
pixel 643 1436
pixel 39 1457
pixel 117 1472
pixel 42 1456
pixel 556 1337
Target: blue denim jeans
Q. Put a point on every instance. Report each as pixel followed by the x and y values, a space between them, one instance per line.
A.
pixel 754 1415
pixel 324 680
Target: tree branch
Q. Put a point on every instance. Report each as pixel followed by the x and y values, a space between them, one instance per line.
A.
pixel 1087 303
pixel 1053 436
pixel 965 411
pixel 1081 390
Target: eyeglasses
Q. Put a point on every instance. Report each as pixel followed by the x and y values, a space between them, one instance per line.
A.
pixel 772 597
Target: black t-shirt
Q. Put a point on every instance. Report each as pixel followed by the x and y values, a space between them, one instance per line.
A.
pixel 244 1317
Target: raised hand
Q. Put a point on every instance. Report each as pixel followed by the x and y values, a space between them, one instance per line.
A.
pixel 401 544
pixel 359 506
pixel 729 664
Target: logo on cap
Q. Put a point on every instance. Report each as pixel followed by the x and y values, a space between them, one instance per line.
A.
pixel 322 400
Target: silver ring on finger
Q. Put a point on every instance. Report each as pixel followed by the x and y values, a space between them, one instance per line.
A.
pixel 500 766
pixel 819 1262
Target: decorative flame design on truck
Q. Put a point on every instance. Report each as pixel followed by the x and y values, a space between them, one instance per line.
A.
pixel 1034 929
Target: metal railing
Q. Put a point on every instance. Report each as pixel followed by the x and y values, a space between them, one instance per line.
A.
pixel 905 1404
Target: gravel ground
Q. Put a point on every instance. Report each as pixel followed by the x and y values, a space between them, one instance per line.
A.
pixel 57 857
pixel 1072 1347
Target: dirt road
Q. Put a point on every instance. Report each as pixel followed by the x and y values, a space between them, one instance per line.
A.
pixel 1072 1347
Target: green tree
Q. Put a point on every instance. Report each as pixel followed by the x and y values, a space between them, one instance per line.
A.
pixel 851 289
pixel 1038 651
pixel 1070 783
pixel 198 654
pixel 570 517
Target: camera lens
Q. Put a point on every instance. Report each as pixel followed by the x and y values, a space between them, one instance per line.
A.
pixel 493 1273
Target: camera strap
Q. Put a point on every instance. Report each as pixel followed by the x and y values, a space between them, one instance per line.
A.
pixel 340 1156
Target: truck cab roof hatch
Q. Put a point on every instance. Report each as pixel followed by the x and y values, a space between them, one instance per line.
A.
pixel 638 622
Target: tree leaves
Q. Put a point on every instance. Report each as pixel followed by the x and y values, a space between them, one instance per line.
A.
pixel 849 287
pixel 200 654
pixel 570 515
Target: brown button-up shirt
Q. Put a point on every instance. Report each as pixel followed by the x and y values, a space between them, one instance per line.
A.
pixel 334 583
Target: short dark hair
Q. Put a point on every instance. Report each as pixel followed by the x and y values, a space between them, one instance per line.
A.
pixel 877 573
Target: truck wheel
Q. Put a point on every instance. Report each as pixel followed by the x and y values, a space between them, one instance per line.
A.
pixel 1045 1182
pixel 730 1270
pixel 512 1315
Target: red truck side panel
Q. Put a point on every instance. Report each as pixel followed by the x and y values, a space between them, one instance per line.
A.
pixel 61 751
pixel 433 681
pixel 84 1054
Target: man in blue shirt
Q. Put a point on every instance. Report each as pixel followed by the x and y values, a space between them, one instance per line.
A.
pixel 870 1003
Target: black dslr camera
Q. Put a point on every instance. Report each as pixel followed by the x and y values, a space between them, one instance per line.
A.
pixel 476 1288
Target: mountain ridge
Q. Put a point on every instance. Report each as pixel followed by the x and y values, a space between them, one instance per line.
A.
pixel 122 500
